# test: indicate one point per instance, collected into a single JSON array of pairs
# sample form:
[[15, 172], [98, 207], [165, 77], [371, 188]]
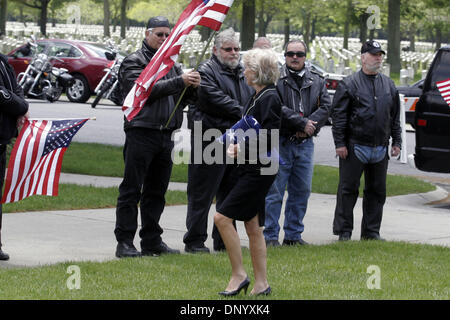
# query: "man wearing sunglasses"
[[148, 146], [221, 97], [306, 109]]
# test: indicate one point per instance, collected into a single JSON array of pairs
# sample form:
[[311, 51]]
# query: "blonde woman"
[[246, 200]]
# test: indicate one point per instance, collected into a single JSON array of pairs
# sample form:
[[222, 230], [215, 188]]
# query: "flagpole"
[[184, 90]]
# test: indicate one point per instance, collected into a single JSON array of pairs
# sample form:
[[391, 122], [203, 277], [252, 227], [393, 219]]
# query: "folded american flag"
[[247, 122], [208, 13], [35, 161], [233, 136]]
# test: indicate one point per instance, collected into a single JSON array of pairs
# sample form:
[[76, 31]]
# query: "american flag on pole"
[[35, 161], [444, 89], [208, 13]]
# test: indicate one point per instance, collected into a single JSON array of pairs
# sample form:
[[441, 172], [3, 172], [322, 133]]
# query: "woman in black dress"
[[246, 200]]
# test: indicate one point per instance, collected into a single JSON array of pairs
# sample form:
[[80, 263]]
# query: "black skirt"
[[248, 196]]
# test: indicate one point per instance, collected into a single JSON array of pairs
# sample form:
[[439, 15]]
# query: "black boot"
[[3, 255]]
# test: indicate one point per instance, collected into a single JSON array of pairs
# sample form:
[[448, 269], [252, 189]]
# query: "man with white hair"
[[365, 115], [221, 97]]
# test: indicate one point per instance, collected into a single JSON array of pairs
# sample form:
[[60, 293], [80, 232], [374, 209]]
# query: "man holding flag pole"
[[154, 85]]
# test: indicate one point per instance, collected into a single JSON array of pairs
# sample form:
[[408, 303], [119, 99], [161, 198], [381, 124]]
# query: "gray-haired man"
[[221, 97]]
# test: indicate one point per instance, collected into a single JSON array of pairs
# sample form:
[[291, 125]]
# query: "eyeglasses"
[[230, 49], [161, 34], [291, 54]]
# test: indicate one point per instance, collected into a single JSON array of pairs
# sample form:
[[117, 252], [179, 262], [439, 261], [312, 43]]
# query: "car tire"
[[79, 92]]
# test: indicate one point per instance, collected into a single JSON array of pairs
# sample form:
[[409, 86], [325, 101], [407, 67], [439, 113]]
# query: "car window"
[[23, 52], [63, 50], [99, 49], [441, 67]]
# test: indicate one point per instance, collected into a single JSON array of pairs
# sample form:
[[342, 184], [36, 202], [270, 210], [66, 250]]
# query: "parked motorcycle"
[[109, 87], [41, 79]]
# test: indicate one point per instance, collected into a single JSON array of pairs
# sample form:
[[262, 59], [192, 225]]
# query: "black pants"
[[2, 178], [148, 165], [204, 182], [350, 171]]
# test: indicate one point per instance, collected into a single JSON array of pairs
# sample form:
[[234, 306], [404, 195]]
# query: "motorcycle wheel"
[[100, 95], [52, 94]]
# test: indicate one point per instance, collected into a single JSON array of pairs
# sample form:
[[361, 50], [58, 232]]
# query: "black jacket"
[[164, 94], [265, 107], [313, 95], [366, 111], [222, 94], [12, 101]]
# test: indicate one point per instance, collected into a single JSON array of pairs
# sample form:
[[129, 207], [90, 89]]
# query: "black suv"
[[432, 121]]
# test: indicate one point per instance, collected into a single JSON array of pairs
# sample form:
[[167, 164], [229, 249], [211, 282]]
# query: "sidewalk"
[[40, 238]]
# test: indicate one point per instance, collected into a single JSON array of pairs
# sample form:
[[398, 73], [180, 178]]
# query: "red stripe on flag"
[[58, 171], [47, 175], [34, 154], [12, 158], [210, 23], [219, 8]]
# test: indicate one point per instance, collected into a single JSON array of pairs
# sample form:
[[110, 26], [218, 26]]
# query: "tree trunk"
[[261, 32], [363, 27], [287, 30], [438, 36], [3, 8], [43, 17], [106, 19], [348, 17], [248, 24], [205, 33], [412, 37], [123, 18], [307, 27], [313, 28], [394, 35]]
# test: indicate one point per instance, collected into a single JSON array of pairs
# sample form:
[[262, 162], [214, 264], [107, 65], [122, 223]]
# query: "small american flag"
[[35, 161], [444, 89], [208, 13]]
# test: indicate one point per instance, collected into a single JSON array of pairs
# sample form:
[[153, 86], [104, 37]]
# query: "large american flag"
[[444, 89], [208, 13], [35, 161]]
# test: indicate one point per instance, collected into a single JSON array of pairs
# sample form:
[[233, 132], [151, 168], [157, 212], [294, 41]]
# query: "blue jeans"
[[296, 174]]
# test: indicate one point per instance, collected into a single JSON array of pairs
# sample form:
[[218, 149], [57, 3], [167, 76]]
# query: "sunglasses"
[[161, 34], [291, 54], [230, 49]]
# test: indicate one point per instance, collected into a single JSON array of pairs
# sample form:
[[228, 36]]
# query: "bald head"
[[262, 43]]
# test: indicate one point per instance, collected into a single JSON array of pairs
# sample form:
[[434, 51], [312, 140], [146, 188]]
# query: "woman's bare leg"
[[258, 253], [232, 243]]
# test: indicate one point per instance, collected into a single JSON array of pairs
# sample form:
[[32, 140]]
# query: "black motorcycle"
[[41, 79], [109, 87]]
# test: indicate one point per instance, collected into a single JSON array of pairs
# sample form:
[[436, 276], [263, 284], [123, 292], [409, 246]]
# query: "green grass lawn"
[[334, 271], [73, 197], [104, 160]]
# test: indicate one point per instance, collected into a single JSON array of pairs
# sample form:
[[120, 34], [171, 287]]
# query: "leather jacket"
[[312, 95], [366, 110], [12, 101], [164, 94], [222, 94]]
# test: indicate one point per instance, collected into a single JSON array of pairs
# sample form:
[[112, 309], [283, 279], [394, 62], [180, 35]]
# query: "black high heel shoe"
[[265, 292], [244, 285]]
